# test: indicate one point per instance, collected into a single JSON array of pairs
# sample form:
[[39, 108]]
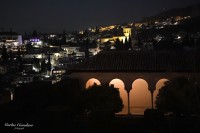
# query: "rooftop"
[[141, 61]]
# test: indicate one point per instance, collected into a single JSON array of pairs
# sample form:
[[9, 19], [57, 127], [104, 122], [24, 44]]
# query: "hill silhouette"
[[192, 11]]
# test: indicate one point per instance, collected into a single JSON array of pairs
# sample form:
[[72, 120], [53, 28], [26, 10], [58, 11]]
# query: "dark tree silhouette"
[[86, 45], [126, 44], [10, 54], [102, 100], [19, 60], [67, 93], [130, 42], [94, 43], [97, 30], [180, 95], [118, 44], [43, 66], [34, 33], [4, 54], [86, 33], [49, 63], [33, 96], [140, 44], [63, 39], [29, 46]]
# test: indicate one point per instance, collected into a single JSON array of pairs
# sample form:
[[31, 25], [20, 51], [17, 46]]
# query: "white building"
[[10, 39]]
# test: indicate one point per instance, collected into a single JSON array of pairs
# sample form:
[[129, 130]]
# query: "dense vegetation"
[[180, 95]]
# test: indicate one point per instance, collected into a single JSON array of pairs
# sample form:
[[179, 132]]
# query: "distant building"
[[36, 42], [122, 35], [25, 79], [78, 51], [58, 72], [10, 39]]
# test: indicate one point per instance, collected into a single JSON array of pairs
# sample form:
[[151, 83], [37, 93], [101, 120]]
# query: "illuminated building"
[[101, 29], [78, 51], [138, 75], [36, 42], [10, 39], [126, 33], [58, 72]]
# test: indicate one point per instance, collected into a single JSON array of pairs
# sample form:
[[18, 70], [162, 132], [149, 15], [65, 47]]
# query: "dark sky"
[[59, 15]]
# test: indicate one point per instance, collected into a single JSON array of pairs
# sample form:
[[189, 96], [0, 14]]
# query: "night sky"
[[58, 15]]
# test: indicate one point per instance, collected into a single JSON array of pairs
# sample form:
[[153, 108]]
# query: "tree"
[[63, 39], [4, 54], [140, 44], [19, 60], [126, 44], [49, 63], [117, 44], [87, 52], [34, 33], [86, 33], [67, 93], [102, 100], [10, 56], [180, 95], [29, 46], [94, 43], [130, 42], [43, 66], [34, 96]]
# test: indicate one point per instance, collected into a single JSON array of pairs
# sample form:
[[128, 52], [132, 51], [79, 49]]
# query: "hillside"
[[193, 11]]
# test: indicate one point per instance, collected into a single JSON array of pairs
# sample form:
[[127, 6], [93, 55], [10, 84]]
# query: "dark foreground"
[[61, 122]]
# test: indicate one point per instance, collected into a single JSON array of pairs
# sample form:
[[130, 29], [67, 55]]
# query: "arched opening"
[[123, 94], [140, 97], [91, 82], [159, 85]]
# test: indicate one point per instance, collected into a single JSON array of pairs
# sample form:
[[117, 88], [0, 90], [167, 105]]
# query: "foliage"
[[29, 46], [102, 99], [41, 96], [33, 96], [118, 44], [49, 64], [43, 66], [4, 54], [180, 95], [63, 38], [67, 92]]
